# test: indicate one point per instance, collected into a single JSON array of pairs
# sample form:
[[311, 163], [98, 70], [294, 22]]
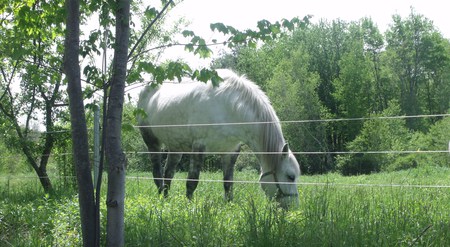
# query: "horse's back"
[[186, 105], [174, 103]]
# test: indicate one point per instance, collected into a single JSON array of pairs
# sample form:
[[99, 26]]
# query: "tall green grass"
[[335, 211]]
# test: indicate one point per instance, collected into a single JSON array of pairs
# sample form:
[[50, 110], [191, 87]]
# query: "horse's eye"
[[291, 177]]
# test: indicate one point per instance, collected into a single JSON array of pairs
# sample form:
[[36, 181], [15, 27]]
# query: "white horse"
[[198, 118]]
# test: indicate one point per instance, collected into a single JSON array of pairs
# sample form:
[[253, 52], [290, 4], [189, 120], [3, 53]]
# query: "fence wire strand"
[[289, 121], [300, 153], [263, 153], [418, 186]]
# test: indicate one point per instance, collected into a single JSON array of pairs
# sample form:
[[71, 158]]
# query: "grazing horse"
[[198, 118]]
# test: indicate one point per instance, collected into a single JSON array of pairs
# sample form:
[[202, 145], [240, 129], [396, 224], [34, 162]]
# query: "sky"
[[244, 14]]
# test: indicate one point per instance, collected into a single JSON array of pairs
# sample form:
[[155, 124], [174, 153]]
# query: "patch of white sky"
[[244, 14]]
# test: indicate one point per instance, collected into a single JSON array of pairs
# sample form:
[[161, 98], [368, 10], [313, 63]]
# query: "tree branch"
[[180, 44], [30, 112], [149, 27], [8, 80]]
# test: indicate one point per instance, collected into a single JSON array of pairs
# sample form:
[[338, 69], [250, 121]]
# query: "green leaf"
[[288, 24], [187, 33], [189, 47], [147, 67], [219, 27], [91, 106], [215, 80], [127, 127], [139, 112], [151, 13]]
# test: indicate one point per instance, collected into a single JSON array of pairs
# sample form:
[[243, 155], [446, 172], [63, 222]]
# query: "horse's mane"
[[253, 103]]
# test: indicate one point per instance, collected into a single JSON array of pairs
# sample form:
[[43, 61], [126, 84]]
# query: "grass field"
[[334, 211]]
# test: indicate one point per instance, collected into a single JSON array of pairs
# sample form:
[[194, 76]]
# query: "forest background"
[[320, 71]]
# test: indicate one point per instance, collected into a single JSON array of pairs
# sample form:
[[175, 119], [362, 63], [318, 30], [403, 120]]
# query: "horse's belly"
[[213, 139]]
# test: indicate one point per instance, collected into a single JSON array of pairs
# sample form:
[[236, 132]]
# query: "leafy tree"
[[326, 43], [30, 61], [373, 47], [416, 51], [257, 64], [437, 69], [292, 91], [354, 89]]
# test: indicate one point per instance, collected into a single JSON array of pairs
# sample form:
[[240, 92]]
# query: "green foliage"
[[31, 78], [354, 89], [27, 217], [197, 45], [436, 139], [292, 92], [376, 135], [132, 141], [247, 162], [417, 51], [341, 70], [266, 32], [392, 134], [62, 158], [11, 162], [66, 222]]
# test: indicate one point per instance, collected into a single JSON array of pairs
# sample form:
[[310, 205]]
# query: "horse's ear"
[[285, 151]]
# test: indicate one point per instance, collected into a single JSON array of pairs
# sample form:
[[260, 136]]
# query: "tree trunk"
[[45, 181], [78, 123], [115, 156]]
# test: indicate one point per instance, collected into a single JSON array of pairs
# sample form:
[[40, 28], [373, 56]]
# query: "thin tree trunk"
[[78, 123], [115, 156]]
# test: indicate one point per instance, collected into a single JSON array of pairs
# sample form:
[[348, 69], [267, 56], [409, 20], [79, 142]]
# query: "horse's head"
[[280, 182]]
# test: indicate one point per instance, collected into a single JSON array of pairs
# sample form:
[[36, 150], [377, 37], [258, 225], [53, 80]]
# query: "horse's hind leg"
[[171, 163], [194, 169], [228, 162], [153, 147]]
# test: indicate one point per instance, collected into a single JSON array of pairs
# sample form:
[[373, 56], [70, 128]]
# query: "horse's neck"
[[265, 136], [268, 141]]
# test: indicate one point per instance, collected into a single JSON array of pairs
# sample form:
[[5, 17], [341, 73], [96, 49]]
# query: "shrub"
[[376, 135], [436, 139]]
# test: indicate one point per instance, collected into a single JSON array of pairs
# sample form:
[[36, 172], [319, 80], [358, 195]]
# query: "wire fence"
[[281, 122], [269, 153], [328, 183], [272, 122]]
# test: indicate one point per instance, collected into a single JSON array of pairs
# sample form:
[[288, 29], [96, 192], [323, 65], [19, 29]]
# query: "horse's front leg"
[[194, 169], [228, 162], [171, 163]]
